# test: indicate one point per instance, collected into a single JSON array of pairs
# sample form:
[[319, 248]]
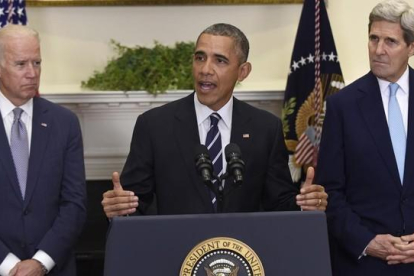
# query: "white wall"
[[75, 40]]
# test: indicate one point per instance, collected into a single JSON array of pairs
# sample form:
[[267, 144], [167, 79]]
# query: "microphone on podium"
[[204, 165], [235, 165]]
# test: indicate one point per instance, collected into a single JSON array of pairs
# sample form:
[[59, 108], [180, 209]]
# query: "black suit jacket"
[[161, 162], [358, 169], [53, 212]]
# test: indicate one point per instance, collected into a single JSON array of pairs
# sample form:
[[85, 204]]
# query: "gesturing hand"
[[312, 196], [118, 202]]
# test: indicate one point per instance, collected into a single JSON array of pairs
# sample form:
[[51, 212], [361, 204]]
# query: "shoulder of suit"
[[52, 107], [353, 89], [252, 110], [170, 108]]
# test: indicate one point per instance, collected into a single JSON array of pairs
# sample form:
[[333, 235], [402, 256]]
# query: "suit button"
[[26, 212], [22, 245]]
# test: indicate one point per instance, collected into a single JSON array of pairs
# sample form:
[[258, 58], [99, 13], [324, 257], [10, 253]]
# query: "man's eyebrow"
[[199, 53], [221, 56]]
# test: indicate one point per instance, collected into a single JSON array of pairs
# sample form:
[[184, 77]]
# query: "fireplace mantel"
[[107, 120]]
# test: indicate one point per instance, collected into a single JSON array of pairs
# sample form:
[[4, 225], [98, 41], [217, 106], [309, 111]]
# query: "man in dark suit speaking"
[[367, 154], [42, 175], [161, 162]]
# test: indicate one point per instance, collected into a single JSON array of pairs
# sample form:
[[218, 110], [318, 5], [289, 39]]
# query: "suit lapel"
[[372, 110], [239, 121], [409, 156], [6, 160], [239, 132], [41, 126], [187, 137]]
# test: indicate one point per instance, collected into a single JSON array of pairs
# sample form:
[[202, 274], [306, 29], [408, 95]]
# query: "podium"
[[266, 243]]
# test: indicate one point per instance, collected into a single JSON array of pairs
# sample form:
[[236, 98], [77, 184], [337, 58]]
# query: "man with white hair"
[[42, 175], [367, 154]]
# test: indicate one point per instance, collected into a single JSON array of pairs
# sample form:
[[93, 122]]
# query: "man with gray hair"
[[42, 175], [161, 163], [367, 154]]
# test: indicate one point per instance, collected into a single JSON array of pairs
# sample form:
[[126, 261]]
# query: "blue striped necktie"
[[397, 130], [19, 146], [213, 143]]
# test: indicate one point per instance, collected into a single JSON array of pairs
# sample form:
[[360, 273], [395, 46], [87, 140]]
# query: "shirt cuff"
[[363, 254], [8, 264], [45, 259]]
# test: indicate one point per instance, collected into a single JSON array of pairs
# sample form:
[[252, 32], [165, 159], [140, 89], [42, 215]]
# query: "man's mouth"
[[204, 85], [379, 62], [29, 86]]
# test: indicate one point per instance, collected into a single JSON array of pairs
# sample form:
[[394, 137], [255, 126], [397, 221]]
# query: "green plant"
[[154, 69]]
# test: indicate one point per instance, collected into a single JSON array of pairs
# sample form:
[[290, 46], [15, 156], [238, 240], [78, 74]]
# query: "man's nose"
[[31, 71], [380, 50], [207, 67]]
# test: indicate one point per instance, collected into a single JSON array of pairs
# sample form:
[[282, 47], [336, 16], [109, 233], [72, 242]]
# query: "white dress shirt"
[[203, 113], [6, 108], [402, 96]]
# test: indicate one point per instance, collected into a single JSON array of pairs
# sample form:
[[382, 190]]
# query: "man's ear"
[[244, 71], [411, 50]]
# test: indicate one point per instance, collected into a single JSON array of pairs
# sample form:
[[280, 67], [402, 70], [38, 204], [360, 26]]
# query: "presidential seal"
[[222, 256]]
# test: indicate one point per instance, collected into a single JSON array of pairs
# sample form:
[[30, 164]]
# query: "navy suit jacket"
[[161, 162], [358, 169], [53, 212]]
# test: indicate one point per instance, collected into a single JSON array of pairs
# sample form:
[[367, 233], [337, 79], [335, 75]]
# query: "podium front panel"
[[286, 243]]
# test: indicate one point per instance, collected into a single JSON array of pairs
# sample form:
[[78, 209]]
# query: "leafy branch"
[[154, 69]]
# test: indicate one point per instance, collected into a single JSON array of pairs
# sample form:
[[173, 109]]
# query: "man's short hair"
[[395, 11], [240, 40]]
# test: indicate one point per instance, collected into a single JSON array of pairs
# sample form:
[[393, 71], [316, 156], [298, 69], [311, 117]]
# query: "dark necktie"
[[397, 130], [213, 143], [20, 149]]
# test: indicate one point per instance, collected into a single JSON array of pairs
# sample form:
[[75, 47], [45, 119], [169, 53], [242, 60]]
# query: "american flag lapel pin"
[[246, 136], [43, 124]]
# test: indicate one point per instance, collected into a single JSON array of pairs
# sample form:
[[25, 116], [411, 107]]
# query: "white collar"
[[6, 106], [203, 112], [403, 82]]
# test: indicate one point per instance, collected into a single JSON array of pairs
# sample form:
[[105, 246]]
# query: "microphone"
[[204, 165], [235, 165]]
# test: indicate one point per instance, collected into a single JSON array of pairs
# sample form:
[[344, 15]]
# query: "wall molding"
[[107, 120]]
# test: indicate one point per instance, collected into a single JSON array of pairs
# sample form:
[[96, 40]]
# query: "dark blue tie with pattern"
[[213, 143]]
